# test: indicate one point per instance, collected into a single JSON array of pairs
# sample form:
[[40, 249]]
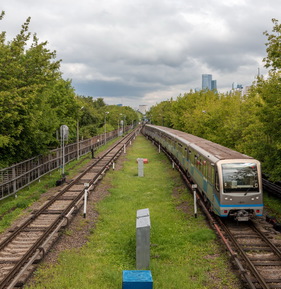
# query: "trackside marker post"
[[140, 167], [142, 240], [194, 187], [86, 185]]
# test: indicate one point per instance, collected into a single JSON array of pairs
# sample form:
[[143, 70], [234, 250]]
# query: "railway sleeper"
[[267, 263]]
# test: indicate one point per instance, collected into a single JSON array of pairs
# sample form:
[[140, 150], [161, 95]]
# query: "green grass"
[[273, 206], [12, 207], [184, 250]]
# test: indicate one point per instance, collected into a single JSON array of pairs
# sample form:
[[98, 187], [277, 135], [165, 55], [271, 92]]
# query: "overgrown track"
[[253, 246], [271, 188], [27, 244]]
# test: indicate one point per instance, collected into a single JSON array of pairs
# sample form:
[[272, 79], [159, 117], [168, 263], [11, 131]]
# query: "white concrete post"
[[86, 185], [143, 239], [194, 187], [140, 168]]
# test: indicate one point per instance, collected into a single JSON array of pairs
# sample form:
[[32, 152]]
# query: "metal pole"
[[120, 122], [77, 132], [105, 128], [194, 187], [63, 160], [77, 135], [118, 127], [86, 185]]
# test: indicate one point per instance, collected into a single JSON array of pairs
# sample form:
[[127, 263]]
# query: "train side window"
[[186, 153], [217, 181], [213, 173], [205, 168], [195, 160], [209, 168]]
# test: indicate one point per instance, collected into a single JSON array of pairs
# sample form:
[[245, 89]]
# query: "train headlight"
[[230, 199], [226, 198], [252, 199], [257, 198]]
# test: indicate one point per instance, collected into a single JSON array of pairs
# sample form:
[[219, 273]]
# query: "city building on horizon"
[[208, 82], [143, 109], [237, 86]]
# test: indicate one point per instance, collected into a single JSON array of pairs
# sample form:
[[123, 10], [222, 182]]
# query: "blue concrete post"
[[137, 279]]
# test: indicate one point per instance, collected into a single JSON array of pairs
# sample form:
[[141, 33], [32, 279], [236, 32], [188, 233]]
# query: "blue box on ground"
[[137, 279]]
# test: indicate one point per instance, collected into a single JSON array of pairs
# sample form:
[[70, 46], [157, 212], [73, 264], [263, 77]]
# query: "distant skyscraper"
[[208, 83], [214, 85]]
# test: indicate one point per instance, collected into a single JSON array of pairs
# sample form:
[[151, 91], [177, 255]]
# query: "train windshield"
[[240, 177]]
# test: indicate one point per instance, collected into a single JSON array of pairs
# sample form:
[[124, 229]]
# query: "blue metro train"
[[230, 182]]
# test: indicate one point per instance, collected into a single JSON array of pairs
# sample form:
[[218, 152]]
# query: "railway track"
[[254, 247], [28, 243], [271, 188], [258, 251]]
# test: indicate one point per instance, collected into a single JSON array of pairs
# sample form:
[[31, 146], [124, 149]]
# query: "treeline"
[[249, 123], [35, 101]]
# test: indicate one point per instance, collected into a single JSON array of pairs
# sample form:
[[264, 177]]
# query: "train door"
[[216, 192], [205, 174]]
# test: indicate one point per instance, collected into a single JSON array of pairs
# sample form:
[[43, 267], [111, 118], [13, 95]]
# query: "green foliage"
[[208, 114], [273, 49], [31, 91], [247, 123], [35, 101], [161, 113], [94, 113]]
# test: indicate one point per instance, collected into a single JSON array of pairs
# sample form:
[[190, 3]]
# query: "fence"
[[18, 176]]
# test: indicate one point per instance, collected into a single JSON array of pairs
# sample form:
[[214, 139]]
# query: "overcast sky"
[[141, 52]]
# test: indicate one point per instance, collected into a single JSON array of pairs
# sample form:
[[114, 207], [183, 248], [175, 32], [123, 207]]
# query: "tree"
[[161, 114], [34, 99], [273, 49]]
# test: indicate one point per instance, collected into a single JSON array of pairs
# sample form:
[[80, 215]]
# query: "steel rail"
[[266, 240], [66, 188], [271, 188], [28, 257], [262, 282]]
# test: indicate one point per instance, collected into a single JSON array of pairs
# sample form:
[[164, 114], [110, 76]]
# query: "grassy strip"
[[184, 251], [12, 207], [272, 205]]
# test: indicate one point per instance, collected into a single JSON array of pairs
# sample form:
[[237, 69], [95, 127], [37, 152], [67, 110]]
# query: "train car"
[[230, 182]]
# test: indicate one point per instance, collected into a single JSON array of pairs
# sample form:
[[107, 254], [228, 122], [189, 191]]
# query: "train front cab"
[[240, 189]]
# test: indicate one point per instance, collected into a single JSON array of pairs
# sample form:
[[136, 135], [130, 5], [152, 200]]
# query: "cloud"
[[149, 50]]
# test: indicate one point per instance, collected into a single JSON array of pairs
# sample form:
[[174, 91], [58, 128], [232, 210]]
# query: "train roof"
[[216, 150]]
